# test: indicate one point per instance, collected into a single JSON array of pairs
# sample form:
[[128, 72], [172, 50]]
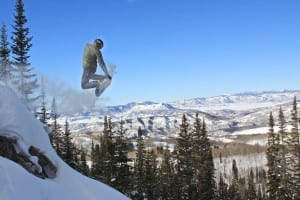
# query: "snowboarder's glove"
[[109, 77]]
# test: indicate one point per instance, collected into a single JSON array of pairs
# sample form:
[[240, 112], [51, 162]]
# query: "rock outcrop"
[[43, 168]]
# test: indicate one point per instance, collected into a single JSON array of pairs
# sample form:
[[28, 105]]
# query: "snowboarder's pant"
[[89, 74]]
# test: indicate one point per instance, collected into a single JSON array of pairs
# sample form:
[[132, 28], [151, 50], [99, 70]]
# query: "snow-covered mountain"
[[30, 168], [224, 114]]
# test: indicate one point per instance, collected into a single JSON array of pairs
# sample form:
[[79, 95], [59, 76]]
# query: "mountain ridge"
[[223, 114]]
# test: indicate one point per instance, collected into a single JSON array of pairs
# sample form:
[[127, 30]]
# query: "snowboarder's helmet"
[[99, 41]]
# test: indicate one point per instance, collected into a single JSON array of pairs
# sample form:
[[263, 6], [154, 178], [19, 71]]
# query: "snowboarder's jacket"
[[90, 57]]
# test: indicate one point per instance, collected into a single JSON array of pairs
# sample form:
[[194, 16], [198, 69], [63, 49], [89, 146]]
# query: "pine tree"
[[76, 158], [6, 69], [251, 187], [56, 137], [177, 186], [139, 168], [107, 151], [260, 194], [21, 43], [234, 190], [285, 186], [67, 146], [183, 151], [166, 174], [282, 127], [293, 148], [56, 133], [203, 162], [123, 175], [222, 190], [198, 158], [96, 171], [84, 168], [151, 183], [294, 120], [99, 156], [272, 158], [93, 159]]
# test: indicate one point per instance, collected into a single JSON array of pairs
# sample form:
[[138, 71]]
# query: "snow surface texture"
[[17, 183]]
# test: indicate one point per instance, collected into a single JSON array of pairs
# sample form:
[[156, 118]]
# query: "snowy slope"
[[17, 183]]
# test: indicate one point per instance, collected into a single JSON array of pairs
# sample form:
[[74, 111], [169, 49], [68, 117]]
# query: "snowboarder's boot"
[[102, 85], [97, 92], [100, 88]]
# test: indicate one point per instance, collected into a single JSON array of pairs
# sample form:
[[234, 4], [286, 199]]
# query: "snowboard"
[[102, 86]]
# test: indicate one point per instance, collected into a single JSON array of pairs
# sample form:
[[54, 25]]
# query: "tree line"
[[186, 172], [283, 155], [15, 67]]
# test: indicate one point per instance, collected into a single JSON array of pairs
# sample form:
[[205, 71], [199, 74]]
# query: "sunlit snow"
[[17, 183]]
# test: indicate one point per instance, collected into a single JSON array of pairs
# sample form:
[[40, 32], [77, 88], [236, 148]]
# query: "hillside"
[[30, 168]]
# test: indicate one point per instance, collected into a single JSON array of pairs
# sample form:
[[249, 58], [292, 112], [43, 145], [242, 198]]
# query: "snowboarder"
[[89, 79]]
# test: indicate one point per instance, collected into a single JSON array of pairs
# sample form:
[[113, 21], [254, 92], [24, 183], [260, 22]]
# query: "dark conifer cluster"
[[283, 155]]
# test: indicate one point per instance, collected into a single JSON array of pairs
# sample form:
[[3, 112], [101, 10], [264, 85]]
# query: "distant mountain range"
[[224, 114]]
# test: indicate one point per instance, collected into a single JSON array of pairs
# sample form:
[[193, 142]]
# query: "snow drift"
[[16, 182]]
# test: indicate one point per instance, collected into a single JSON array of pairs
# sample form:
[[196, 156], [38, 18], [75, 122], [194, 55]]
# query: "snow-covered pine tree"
[[107, 148], [56, 136], [222, 192], [95, 171], [67, 146], [285, 184], [122, 173], [198, 154], [234, 188], [166, 174], [272, 160], [184, 169], [93, 160], [261, 195], [282, 126], [56, 131], [251, 192], [151, 178], [293, 147], [294, 120], [6, 69], [26, 80], [84, 168], [203, 162]]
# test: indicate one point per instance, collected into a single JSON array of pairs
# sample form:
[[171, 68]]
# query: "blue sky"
[[168, 50]]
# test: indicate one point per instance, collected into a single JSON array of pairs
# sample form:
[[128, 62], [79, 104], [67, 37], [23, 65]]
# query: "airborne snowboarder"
[[89, 79]]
